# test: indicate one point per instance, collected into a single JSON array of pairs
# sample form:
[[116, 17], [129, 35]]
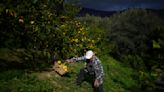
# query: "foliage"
[[135, 61], [96, 27], [132, 33], [41, 25], [136, 37], [76, 39]]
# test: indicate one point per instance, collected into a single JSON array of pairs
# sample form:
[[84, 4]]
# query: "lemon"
[[65, 70], [76, 40], [32, 22], [59, 62], [21, 20], [65, 67]]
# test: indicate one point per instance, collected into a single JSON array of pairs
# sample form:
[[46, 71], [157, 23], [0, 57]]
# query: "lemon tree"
[[41, 26], [76, 39]]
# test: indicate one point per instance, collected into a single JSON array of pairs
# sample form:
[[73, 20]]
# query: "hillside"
[[118, 78]]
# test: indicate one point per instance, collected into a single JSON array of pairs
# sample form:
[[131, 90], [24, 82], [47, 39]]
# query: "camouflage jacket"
[[97, 67]]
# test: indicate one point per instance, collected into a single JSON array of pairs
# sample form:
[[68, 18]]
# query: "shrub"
[[129, 33]]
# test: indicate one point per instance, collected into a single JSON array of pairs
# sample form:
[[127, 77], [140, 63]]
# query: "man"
[[93, 68]]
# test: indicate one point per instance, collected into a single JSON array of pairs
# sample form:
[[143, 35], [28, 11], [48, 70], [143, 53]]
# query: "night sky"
[[111, 5]]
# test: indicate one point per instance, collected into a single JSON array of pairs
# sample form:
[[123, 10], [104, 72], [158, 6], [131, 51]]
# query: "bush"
[[135, 62], [129, 33]]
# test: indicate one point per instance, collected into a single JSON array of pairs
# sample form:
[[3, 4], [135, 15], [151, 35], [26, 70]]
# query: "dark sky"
[[110, 5]]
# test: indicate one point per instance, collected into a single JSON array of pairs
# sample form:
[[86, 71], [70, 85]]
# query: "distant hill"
[[159, 12], [100, 13], [93, 12]]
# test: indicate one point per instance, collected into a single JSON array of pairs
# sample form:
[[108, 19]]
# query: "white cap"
[[89, 54]]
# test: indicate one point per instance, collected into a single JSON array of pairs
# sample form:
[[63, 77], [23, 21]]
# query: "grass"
[[20, 81], [118, 78]]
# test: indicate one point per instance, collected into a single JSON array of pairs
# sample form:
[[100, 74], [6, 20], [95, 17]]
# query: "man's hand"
[[96, 83], [69, 60]]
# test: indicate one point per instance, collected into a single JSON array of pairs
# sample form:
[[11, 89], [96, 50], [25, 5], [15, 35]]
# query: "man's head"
[[89, 55]]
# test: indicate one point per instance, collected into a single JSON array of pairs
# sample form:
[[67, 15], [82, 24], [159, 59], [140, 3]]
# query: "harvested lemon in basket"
[[65, 68], [60, 67]]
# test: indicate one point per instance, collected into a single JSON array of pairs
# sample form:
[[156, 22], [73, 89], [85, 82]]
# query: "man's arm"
[[75, 59]]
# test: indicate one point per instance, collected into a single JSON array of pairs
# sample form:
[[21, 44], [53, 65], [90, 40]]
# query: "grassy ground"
[[118, 78]]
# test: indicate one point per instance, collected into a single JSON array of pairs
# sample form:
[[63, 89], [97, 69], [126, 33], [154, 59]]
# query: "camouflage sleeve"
[[78, 58]]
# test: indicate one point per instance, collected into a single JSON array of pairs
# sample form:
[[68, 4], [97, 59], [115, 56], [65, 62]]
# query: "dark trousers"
[[83, 75]]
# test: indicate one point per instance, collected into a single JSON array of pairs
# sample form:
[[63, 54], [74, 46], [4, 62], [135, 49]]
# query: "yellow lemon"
[[82, 39], [31, 22], [21, 20], [93, 41], [64, 33], [66, 70], [59, 62], [76, 40], [64, 67]]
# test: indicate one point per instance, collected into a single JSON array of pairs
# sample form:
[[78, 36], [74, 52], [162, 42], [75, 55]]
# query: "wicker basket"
[[59, 68]]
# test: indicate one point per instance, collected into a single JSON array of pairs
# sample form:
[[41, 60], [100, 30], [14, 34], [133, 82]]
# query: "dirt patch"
[[46, 75]]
